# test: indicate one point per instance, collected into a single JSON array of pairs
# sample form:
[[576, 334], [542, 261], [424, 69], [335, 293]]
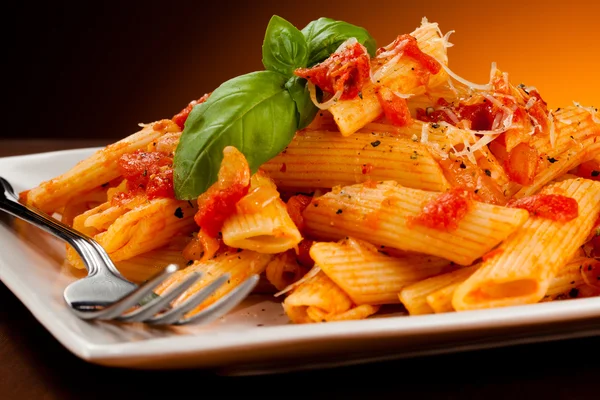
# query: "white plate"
[[256, 337]]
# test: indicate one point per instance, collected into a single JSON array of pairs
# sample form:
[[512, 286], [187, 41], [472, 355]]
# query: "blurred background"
[[94, 71]]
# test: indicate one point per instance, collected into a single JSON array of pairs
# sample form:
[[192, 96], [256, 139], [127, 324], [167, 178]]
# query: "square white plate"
[[256, 337]]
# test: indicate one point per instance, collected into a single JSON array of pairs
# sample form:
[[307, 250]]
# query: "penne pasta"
[[368, 276], [415, 297], [126, 231], [322, 159], [380, 214], [578, 274], [93, 172], [351, 115], [529, 259], [264, 225], [238, 265], [320, 299]]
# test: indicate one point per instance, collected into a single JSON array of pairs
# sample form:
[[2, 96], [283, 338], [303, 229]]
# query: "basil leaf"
[[284, 47], [305, 108], [253, 112], [325, 35]]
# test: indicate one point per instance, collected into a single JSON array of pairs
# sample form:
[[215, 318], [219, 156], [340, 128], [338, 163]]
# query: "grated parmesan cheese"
[[592, 110], [313, 272]]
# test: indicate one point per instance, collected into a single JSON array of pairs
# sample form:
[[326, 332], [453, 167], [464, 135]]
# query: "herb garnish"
[[259, 112]]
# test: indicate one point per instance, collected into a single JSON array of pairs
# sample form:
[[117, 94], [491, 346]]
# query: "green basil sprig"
[[259, 112]]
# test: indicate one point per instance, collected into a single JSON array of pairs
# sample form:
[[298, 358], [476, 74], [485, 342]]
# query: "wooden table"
[[33, 365]]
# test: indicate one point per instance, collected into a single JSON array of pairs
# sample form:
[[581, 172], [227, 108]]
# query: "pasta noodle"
[[411, 187], [368, 276], [529, 259], [379, 214], [321, 159]]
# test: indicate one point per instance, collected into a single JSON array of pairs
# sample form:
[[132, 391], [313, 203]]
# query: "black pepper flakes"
[[339, 211], [462, 165], [179, 213], [435, 125], [552, 160], [573, 293], [190, 262], [376, 143], [595, 173], [360, 95], [488, 172]]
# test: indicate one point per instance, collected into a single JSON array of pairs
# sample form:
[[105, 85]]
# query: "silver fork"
[[105, 294]]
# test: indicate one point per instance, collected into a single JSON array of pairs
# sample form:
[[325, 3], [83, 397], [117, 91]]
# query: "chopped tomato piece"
[[151, 172], [409, 46], [346, 70], [182, 116], [303, 256], [522, 164], [445, 211], [551, 206], [394, 107], [219, 202], [295, 207], [480, 116]]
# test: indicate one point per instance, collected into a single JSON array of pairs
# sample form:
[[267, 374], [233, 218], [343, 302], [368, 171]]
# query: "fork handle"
[[83, 244]]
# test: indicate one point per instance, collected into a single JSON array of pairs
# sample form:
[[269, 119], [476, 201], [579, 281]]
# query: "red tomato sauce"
[[219, 206], [410, 48], [182, 116], [394, 107], [481, 115], [445, 211], [303, 256], [347, 70], [555, 207], [151, 172], [295, 207]]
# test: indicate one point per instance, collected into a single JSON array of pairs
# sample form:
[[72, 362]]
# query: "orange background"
[[100, 71]]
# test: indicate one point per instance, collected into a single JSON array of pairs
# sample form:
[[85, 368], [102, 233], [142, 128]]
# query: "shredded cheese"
[[313, 272], [530, 102], [593, 112], [465, 82], [326, 105]]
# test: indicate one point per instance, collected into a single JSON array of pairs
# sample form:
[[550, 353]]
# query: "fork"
[[104, 294]]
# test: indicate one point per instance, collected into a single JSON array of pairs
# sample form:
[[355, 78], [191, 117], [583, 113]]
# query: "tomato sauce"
[[295, 207], [347, 71], [303, 256], [555, 207], [409, 46], [481, 115], [219, 206], [182, 116], [394, 107], [149, 172], [445, 211]]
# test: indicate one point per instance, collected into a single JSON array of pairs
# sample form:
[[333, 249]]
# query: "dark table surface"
[[33, 365]]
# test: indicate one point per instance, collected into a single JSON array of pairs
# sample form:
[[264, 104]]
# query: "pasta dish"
[[351, 176]]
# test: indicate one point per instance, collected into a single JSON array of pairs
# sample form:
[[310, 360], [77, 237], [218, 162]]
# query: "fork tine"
[[130, 299], [176, 313], [225, 304], [157, 305]]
